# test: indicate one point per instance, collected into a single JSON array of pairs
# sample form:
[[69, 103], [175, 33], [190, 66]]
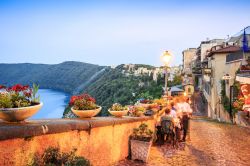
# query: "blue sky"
[[113, 32]]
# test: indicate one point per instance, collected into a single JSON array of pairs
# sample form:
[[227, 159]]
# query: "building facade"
[[187, 57], [222, 61]]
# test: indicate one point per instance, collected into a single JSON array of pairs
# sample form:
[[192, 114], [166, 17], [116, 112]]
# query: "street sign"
[[225, 77], [207, 71]]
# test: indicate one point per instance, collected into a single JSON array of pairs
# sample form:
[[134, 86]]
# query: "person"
[[186, 114], [167, 115], [178, 119], [178, 107], [159, 134], [173, 110], [167, 124]]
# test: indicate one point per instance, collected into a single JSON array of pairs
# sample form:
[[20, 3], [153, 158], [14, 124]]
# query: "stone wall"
[[103, 141]]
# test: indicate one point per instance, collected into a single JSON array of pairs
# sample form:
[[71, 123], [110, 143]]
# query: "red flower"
[[17, 88], [88, 97], [26, 87], [72, 100], [81, 97], [2, 87]]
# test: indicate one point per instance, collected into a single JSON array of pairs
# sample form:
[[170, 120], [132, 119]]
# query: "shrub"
[[142, 133], [53, 157]]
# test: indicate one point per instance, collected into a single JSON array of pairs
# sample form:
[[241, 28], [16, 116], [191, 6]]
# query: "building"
[[205, 47], [188, 56], [173, 71], [201, 53], [221, 61]]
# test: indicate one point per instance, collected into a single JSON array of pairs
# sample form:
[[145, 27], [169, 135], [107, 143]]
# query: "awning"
[[175, 89], [243, 78]]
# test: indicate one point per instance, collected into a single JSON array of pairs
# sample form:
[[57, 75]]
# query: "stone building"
[[201, 53], [188, 56]]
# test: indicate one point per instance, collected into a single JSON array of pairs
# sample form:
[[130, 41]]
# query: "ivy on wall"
[[224, 99]]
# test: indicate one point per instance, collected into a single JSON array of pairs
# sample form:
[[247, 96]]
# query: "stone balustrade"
[[102, 140]]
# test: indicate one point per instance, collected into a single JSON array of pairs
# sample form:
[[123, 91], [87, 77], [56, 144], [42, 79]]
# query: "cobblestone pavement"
[[210, 144]]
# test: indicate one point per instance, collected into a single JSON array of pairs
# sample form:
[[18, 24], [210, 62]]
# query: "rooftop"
[[228, 49]]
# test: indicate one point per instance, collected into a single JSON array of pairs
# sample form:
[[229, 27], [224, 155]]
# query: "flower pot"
[[140, 114], [145, 105], [19, 114], [140, 150], [86, 113], [118, 113]]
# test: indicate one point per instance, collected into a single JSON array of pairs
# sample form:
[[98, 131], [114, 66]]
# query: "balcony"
[[196, 71]]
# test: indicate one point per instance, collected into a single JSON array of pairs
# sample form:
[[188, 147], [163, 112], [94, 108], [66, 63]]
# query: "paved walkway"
[[211, 144]]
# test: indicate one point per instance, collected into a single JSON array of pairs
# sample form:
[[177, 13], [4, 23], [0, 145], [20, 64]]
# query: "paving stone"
[[211, 144]]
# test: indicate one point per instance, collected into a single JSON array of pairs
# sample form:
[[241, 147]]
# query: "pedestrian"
[[159, 134], [178, 107], [167, 124], [178, 120], [186, 114], [173, 109]]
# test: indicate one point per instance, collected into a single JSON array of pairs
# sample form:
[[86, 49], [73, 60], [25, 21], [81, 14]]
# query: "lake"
[[54, 103]]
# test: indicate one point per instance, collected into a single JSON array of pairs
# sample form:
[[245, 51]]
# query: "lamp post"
[[165, 58]]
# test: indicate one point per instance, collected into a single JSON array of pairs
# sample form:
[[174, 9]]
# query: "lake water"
[[54, 103]]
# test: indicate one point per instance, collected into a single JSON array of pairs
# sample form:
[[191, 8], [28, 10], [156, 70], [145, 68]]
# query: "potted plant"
[[141, 141], [18, 102], [84, 106], [118, 110], [161, 102], [136, 111], [145, 99], [145, 103]]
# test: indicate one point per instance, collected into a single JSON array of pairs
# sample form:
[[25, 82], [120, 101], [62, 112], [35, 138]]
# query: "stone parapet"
[[102, 140]]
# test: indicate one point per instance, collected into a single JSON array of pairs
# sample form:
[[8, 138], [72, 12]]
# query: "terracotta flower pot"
[[86, 113], [140, 150], [118, 113], [19, 114], [145, 105]]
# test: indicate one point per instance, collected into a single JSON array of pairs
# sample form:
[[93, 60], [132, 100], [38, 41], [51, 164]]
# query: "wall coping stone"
[[31, 128]]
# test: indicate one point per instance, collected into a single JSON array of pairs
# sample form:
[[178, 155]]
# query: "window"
[[234, 57]]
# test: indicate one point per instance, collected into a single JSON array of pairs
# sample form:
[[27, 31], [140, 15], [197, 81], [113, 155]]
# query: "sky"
[[112, 32]]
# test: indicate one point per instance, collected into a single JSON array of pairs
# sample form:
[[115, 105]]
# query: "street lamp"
[[165, 58]]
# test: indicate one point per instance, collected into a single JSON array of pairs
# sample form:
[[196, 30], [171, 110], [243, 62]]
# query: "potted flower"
[[136, 111], [84, 106], [141, 141], [161, 102], [118, 110], [145, 103], [18, 102]]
